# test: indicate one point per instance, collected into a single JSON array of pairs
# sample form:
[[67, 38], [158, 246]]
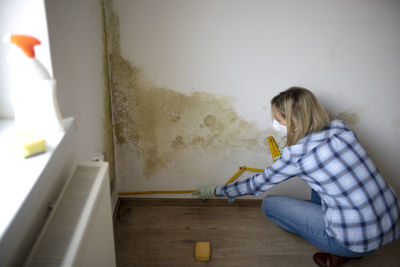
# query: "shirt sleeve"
[[284, 168]]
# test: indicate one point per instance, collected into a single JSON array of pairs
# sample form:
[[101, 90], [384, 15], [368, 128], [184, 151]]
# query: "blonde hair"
[[302, 111]]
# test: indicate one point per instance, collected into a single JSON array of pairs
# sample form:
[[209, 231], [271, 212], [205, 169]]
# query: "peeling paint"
[[160, 124]]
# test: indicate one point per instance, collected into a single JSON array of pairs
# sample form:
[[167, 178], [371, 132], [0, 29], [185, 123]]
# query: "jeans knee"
[[268, 204]]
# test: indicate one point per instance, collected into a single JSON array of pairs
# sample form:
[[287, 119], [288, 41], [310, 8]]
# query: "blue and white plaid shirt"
[[360, 209]]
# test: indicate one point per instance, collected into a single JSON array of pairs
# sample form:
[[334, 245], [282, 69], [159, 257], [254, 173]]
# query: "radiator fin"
[[54, 243]]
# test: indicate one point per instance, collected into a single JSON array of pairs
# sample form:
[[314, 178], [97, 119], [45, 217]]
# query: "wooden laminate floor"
[[163, 232]]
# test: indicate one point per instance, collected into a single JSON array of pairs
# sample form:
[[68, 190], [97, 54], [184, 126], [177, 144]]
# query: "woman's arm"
[[283, 169]]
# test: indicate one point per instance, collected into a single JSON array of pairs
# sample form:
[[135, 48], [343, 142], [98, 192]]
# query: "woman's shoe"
[[328, 260]]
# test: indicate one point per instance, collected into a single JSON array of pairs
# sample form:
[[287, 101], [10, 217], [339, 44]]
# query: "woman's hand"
[[205, 192]]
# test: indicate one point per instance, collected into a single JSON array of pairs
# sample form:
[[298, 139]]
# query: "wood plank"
[[189, 202], [163, 233]]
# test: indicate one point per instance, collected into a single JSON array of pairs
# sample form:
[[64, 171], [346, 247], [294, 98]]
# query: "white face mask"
[[279, 128]]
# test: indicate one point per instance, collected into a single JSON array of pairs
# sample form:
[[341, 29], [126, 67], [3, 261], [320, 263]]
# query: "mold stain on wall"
[[160, 124], [108, 135], [349, 116]]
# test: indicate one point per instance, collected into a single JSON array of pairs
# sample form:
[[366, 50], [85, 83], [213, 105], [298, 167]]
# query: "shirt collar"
[[334, 127]]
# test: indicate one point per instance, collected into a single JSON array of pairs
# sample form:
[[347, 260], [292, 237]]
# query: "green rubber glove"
[[205, 192]]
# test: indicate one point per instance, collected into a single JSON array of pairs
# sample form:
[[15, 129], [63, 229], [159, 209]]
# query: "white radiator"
[[79, 230]]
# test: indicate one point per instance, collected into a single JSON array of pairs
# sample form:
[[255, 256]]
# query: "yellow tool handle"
[[241, 169], [274, 152], [157, 192], [254, 169], [274, 148]]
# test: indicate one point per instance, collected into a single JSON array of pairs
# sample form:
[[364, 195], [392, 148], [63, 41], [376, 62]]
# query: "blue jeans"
[[304, 218]]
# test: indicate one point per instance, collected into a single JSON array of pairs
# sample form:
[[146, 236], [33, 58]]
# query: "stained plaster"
[[164, 127], [108, 135]]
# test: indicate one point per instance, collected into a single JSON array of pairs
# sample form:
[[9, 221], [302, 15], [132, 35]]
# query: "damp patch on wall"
[[108, 140], [349, 116], [159, 124]]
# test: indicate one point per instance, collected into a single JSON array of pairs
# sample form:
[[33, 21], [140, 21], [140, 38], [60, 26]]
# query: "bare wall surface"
[[191, 82], [79, 56]]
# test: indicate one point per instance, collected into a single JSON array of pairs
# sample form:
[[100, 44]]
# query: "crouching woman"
[[352, 211]]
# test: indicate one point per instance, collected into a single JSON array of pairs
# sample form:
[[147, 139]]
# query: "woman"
[[352, 211]]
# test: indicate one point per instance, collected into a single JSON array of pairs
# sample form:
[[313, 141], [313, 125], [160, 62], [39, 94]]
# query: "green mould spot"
[[198, 141], [178, 143], [233, 116], [210, 120], [175, 116]]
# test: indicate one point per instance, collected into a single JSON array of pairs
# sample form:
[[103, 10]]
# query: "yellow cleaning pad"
[[202, 251], [28, 143]]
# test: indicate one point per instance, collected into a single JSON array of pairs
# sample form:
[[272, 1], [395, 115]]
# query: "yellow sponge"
[[28, 143], [202, 251]]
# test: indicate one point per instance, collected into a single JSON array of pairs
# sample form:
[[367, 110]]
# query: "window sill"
[[19, 176]]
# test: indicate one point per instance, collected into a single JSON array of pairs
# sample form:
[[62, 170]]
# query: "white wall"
[[75, 32], [346, 52]]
